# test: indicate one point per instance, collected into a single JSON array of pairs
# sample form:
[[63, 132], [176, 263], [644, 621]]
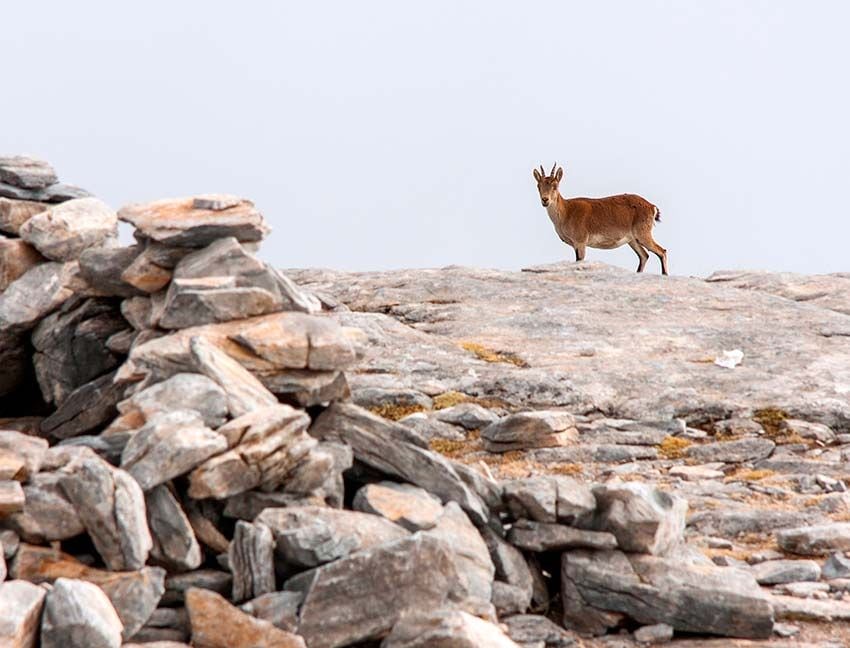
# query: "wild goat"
[[603, 223]]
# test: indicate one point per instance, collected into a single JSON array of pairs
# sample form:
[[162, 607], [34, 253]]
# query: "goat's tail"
[[657, 214]]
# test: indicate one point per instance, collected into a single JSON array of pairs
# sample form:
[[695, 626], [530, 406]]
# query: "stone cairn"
[[180, 460]]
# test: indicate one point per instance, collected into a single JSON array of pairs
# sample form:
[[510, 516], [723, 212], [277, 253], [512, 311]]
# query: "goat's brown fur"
[[603, 223]]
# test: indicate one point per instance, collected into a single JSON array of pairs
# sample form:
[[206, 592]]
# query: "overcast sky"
[[399, 134]]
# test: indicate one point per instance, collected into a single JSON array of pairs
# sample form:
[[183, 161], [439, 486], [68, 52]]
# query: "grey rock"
[[445, 627], [817, 431], [30, 449], [408, 506], [21, 603], [815, 540], [87, 408], [62, 232], [804, 589], [278, 608], [545, 536], [550, 498], [774, 572], [526, 430], [174, 541], [181, 222], [134, 595], [169, 445], [10, 542], [186, 391], [731, 522], [509, 599], [650, 590], [738, 426], [16, 257], [27, 172], [78, 614], [306, 387], [48, 515], [14, 213], [12, 497], [510, 565], [176, 585], [363, 595], [36, 294], [376, 397], [308, 536], [792, 608], [251, 559], [102, 268], [55, 193], [195, 302], [468, 415], [739, 451], [642, 518], [537, 630], [375, 443], [654, 634], [836, 566], [428, 427], [145, 275], [111, 507]]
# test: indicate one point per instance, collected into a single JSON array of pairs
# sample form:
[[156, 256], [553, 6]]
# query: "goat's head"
[[547, 185]]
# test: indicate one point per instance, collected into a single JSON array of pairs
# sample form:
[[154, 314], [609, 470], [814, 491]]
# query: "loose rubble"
[[197, 447]]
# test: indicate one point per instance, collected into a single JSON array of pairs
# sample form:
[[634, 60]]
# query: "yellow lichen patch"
[[394, 412], [457, 448], [492, 355], [450, 399], [749, 475], [673, 447], [770, 418], [566, 469], [737, 554]]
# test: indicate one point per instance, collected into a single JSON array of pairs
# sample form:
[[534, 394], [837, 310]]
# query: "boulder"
[[815, 540], [470, 416], [26, 172], [16, 257], [78, 614], [48, 514], [14, 213], [144, 274], [21, 603], [174, 542], [408, 506], [739, 451], [776, 572], [251, 560], [446, 627], [545, 536], [36, 294], [278, 608], [526, 430], [62, 232], [549, 498], [102, 267], [537, 630], [11, 497], [86, 408], [206, 300], [186, 391], [30, 449]]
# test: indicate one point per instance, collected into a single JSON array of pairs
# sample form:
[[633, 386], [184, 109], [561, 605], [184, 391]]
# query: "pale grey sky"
[[398, 134]]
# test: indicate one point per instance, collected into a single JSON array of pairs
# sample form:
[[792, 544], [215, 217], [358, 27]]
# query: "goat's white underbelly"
[[606, 242]]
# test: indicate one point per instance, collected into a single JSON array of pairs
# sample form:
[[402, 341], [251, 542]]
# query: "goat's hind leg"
[[580, 250], [642, 254], [646, 240]]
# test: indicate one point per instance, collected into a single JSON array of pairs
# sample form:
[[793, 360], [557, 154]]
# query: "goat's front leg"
[[580, 249]]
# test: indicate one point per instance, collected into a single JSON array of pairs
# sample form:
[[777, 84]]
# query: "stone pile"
[[182, 459]]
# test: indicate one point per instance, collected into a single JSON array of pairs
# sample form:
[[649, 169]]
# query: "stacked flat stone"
[[180, 459]]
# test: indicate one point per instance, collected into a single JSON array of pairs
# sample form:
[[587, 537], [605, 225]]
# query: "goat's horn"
[[552, 173], [542, 170]]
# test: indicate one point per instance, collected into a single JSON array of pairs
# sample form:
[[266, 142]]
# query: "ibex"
[[603, 223]]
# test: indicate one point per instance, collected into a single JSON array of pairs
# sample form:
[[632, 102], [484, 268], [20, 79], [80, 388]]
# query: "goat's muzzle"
[[545, 202]]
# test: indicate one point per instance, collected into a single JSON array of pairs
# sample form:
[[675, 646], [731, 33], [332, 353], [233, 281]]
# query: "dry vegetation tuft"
[[492, 355], [450, 399], [673, 447], [394, 412], [750, 475]]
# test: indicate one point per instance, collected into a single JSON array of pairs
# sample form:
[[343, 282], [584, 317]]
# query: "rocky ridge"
[[195, 446]]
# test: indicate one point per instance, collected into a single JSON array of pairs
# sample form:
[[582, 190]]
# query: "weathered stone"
[[526, 430], [429, 427], [774, 572], [509, 599], [26, 172], [217, 624], [836, 566], [695, 473], [511, 567], [251, 559], [408, 506], [62, 232], [12, 466], [133, 594], [165, 626], [266, 445], [445, 627], [102, 267], [244, 392], [145, 275], [815, 540], [468, 415], [307, 387], [654, 634], [549, 498], [807, 430], [174, 542], [35, 294], [122, 341], [363, 596], [138, 312], [278, 608], [711, 600], [47, 515], [78, 614], [111, 506], [55, 193], [643, 518], [186, 391], [536, 630], [14, 213], [16, 257], [87, 408], [739, 451], [374, 441], [11, 497], [545, 536], [190, 222], [804, 609], [30, 449], [203, 517], [195, 302], [308, 536], [176, 585], [21, 603], [732, 522]]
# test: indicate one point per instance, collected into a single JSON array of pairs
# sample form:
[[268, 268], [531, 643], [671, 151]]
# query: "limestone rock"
[[375, 443], [195, 302], [168, 446], [174, 542], [643, 519], [445, 627], [111, 506], [408, 506], [35, 294], [308, 536], [650, 590], [16, 257], [774, 572], [251, 559], [363, 596], [815, 540], [196, 221], [26, 172], [77, 614], [62, 232], [217, 624], [14, 213], [102, 268], [21, 603], [545, 536], [47, 514], [752, 449], [526, 430]]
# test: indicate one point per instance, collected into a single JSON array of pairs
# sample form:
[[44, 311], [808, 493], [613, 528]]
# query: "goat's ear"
[[537, 175], [559, 174]]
